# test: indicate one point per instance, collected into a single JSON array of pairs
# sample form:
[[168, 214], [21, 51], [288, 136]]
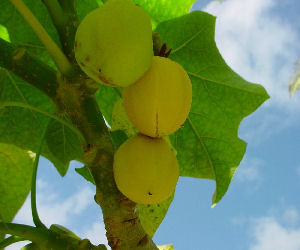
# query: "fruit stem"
[[27, 232], [10, 240], [61, 61], [64, 18], [35, 215]]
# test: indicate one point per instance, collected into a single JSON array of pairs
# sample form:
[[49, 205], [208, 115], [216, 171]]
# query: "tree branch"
[[61, 61], [19, 62], [27, 232], [47, 239], [64, 18], [124, 229]]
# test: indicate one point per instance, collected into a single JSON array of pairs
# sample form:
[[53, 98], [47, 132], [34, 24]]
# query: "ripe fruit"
[[159, 102], [145, 169], [113, 44]]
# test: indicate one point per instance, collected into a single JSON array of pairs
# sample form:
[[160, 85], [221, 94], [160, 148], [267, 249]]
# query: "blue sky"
[[259, 39]]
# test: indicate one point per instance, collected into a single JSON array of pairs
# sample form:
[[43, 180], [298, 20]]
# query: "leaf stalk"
[[61, 61]]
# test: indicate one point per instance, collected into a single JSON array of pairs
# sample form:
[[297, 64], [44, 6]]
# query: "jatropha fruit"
[[145, 166], [159, 102], [145, 169], [113, 43], [113, 46]]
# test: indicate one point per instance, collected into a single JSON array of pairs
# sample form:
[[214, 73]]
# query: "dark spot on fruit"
[[149, 193], [100, 77], [87, 59], [148, 205], [158, 205], [99, 70], [82, 64], [151, 210]]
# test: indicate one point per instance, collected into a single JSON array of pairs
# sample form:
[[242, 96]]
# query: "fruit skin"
[[146, 169], [113, 44], [159, 102]]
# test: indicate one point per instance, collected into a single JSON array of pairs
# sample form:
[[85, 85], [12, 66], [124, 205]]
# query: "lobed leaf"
[[20, 33], [208, 146], [166, 247], [15, 179], [162, 10], [22, 124], [151, 215]]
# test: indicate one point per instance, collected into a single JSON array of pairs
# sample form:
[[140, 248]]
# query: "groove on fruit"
[[156, 124]]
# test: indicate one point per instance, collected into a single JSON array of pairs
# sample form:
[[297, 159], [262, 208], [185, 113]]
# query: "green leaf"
[[21, 33], [151, 215], [120, 120], [208, 146], [23, 124], [86, 174], [118, 137], [295, 85], [15, 179], [63, 142], [166, 247], [106, 98], [63, 230], [84, 7], [161, 10]]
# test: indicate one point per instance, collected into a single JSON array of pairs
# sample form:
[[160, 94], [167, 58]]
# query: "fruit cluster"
[[114, 47]]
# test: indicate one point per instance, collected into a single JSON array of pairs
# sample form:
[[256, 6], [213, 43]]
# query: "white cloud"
[[291, 216], [249, 174], [298, 171], [96, 234], [269, 234], [17, 246], [250, 170], [263, 48], [277, 231], [257, 44], [51, 208]]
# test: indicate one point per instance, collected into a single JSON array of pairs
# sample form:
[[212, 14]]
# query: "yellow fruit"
[[159, 102], [146, 169], [113, 44]]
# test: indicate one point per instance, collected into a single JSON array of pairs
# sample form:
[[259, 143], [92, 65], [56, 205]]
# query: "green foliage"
[[15, 178], [63, 143], [152, 215], [23, 126], [86, 174], [161, 10], [166, 247], [208, 146]]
